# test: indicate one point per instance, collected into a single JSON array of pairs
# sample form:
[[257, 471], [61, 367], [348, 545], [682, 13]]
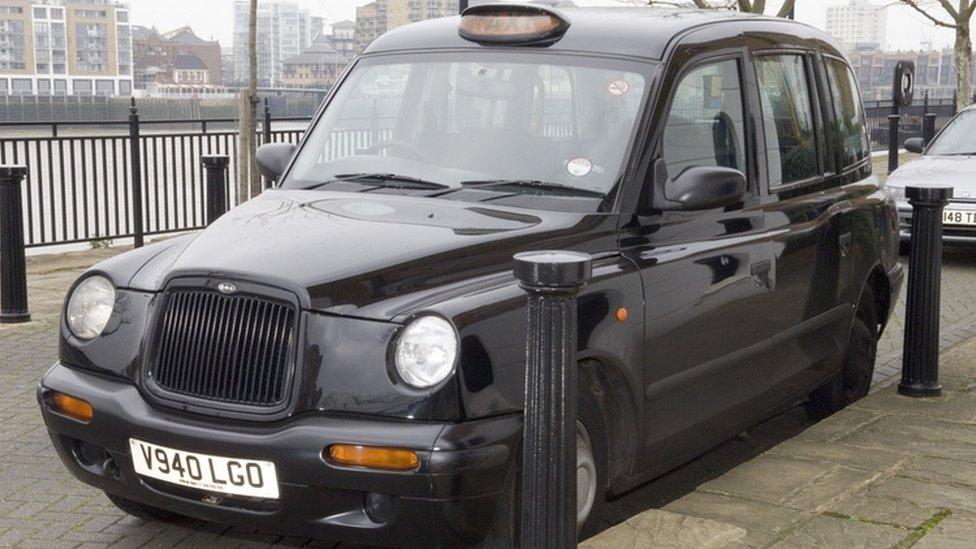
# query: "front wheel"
[[853, 382], [591, 481]]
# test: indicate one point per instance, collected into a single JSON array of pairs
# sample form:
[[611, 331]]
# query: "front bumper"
[[955, 234], [450, 500]]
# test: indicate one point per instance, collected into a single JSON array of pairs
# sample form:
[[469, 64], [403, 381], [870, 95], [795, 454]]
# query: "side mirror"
[[273, 158], [706, 188], [915, 145]]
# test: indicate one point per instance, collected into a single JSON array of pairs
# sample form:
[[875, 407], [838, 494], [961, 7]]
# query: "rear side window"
[[848, 130], [788, 118], [705, 125]]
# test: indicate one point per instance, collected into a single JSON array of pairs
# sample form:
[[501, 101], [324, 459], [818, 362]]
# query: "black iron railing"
[[83, 184]]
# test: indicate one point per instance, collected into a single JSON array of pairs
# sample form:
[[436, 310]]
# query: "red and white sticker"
[[579, 167], [618, 87]]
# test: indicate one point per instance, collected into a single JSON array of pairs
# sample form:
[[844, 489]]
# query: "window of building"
[[105, 87], [848, 130], [125, 87], [60, 87], [43, 86], [3, 86], [122, 16], [22, 86], [40, 13], [788, 118], [11, 9], [82, 87], [57, 14], [706, 126]]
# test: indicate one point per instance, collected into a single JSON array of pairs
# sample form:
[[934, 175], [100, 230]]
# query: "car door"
[[702, 271], [807, 216]]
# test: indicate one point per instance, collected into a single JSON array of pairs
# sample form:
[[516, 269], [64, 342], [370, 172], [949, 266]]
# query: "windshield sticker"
[[618, 87], [579, 167]]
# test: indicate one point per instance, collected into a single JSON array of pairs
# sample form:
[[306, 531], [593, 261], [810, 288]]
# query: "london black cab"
[[342, 357]]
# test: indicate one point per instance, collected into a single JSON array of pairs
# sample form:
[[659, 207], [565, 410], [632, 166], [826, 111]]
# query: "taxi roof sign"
[[519, 24]]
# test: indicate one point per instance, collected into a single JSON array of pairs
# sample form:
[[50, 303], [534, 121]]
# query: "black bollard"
[[920, 362], [216, 167], [13, 264], [552, 279], [928, 127], [135, 168], [893, 144], [266, 124]]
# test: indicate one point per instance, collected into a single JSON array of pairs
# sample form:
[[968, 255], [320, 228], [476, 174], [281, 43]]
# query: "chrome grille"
[[226, 348]]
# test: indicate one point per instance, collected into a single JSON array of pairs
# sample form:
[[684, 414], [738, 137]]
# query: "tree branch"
[[950, 9], [914, 5], [786, 9]]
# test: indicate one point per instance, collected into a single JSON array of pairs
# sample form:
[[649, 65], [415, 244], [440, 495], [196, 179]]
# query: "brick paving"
[[42, 505]]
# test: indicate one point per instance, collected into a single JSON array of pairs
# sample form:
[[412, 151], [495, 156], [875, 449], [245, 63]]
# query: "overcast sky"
[[214, 18]]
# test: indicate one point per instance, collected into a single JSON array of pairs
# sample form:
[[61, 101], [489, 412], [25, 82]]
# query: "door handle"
[[845, 241], [760, 273]]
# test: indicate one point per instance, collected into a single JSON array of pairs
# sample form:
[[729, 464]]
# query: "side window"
[[791, 146], [705, 126], [848, 131]]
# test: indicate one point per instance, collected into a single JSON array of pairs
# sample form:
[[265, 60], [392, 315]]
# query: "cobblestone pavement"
[[889, 471], [42, 505]]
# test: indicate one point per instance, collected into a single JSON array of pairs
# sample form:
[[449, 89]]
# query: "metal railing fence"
[[80, 188]]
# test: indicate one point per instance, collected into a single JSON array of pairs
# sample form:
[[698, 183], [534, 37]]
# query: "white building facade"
[[282, 32], [858, 23]]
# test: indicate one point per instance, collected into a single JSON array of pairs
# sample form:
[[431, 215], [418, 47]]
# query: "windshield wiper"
[[533, 184], [392, 180]]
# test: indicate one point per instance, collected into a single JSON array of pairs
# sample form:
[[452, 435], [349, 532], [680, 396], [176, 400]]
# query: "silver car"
[[950, 159]]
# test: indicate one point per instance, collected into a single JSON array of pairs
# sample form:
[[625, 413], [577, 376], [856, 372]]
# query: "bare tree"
[[942, 13], [248, 179], [748, 6]]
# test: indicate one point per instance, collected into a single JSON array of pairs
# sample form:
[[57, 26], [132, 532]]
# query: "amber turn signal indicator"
[[373, 457], [511, 24], [72, 406], [622, 314]]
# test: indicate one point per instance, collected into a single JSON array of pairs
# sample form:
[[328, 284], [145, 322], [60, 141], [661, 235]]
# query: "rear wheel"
[[145, 512], [853, 382]]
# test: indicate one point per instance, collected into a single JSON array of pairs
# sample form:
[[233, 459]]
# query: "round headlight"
[[425, 351], [90, 307]]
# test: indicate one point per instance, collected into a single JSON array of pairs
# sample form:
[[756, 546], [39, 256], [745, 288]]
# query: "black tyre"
[[591, 471], [591, 480], [853, 382], [145, 512]]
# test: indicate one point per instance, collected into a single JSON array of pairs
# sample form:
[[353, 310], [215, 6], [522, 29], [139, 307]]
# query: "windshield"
[[478, 126], [958, 138]]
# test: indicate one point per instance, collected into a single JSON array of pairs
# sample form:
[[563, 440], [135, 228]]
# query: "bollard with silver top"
[[216, 168], [13, 263], [552, 279], [920, 362]]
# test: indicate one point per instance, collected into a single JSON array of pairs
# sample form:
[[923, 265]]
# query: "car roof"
[[642, 32]]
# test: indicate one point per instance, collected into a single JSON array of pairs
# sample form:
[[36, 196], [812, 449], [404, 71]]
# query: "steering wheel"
[[415, 152]]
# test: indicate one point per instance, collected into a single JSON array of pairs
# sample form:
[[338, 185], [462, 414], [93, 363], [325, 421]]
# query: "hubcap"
[[586, 479]]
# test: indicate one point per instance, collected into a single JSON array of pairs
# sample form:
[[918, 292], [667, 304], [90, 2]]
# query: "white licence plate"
[[959, 217], [243, 477]]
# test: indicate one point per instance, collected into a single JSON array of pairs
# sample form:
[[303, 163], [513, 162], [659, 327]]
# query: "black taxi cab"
[[343, 356]]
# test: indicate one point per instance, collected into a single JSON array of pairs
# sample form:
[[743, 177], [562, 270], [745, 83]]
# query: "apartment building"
[[380, 16], [858, 23], [65, 47], [935, 71], [283, 31]]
